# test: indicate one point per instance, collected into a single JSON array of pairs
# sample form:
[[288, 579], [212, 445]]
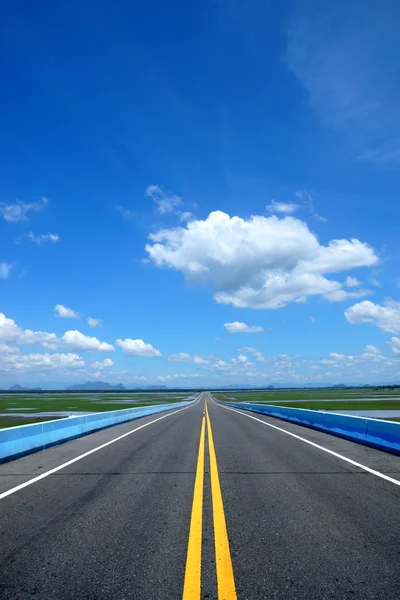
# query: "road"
[[185, 505]]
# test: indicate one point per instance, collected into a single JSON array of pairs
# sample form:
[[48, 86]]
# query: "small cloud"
[[199, 360], [185, 215], [180, 357], [13, 213], [5, 269], [94, 322], [286, 208], [308, 200], [374, 281], [126, 214], [242, 358], [238, 327], [395, 345], [352, 282], [65, 313], [313, 319], [369, 349], [41, 238], [166, 203], [102, 364], [137, 348]]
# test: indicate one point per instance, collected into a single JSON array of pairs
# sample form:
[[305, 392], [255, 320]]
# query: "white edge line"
[[298, 437], [73, 460]]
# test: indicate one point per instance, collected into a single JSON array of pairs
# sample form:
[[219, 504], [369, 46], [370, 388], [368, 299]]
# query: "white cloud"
[[185, 215], [369, 349], [256, 353], [199, 360], [101, 364], [345, 58], [94, 322], [306, 197], [260, 262], [179, 357], [11, 333], [65, 313], [164, 379], [374, 282], [75, 340], [137, 348], [19, 211], [238, 327], [166, 203], [352, 282], [43, 237], [386, 317], [5, 269], [340, 295], [242, 358], [395, 345], [20, 363], [337, 356], [184, 357], [126, 214], [286, 208], [313, 319]]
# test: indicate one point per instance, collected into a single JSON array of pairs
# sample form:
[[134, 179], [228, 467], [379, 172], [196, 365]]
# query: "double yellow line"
[[225, 577]]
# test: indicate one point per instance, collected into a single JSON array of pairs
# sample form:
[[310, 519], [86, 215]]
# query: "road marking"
[[223, 561], [336, 454], [192, 584], [71, 462]]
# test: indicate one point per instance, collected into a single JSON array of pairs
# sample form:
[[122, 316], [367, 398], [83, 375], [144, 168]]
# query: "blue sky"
[[215, 186]]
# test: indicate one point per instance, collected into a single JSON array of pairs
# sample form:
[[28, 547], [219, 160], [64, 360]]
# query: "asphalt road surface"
[[201, 503]]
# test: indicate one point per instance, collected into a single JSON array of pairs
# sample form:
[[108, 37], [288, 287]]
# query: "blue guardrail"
[[384, 435], [25, 439]]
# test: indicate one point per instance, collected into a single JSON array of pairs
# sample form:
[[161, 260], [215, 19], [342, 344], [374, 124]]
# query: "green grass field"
[[35, 403], [335, 400]]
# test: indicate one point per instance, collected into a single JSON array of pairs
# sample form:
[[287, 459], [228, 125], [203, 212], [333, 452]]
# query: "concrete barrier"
[[25, 439], [384, 435]]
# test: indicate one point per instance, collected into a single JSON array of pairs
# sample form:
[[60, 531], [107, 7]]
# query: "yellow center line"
[[192, 584], [225, 577]]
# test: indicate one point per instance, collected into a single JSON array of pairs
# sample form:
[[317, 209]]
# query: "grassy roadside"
[[11, 405]]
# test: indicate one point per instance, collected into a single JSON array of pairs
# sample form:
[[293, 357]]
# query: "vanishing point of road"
[[201, 502]]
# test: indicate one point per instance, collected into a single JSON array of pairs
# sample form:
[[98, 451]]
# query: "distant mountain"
[[157, 387], [244, 386], [19, 388], [96, 385]]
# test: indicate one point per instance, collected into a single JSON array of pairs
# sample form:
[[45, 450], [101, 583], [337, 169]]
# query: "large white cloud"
[[40, 362], [11, 333], [386, 317], [261, 262], [137, 348], [239, 327], [75, 340]]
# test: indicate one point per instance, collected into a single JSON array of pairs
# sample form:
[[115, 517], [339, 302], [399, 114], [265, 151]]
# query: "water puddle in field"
[[22, 409], [61, 413]]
